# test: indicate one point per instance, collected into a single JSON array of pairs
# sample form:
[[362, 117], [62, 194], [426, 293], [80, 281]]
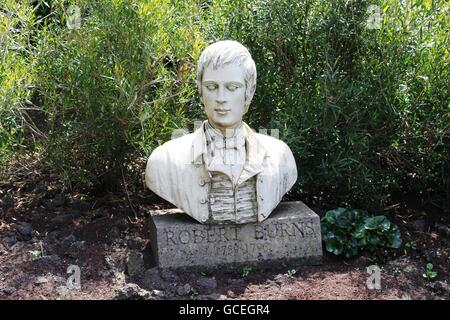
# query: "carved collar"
[[256, 152]]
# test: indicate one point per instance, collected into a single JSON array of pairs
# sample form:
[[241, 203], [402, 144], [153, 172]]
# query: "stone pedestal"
[[290, 234]]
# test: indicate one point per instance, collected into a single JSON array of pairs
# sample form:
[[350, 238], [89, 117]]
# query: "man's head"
[[226, 80]]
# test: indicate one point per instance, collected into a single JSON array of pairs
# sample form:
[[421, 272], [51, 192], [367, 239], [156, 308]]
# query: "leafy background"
[[365, 111]]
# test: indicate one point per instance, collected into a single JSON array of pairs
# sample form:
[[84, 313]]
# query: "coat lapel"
[[256, 152]]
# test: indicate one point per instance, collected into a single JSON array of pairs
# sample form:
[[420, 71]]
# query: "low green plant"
[[246, 271], [35, 254], [347, 232], [291, 273], [429, 273], [397, 270], [194, 293], [410, 245]]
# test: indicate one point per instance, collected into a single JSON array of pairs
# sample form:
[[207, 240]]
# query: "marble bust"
[[223, 172]]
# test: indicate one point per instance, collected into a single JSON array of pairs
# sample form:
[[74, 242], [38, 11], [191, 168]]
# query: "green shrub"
[[365, 111], [16, 77], [347, 232], [118, 86]]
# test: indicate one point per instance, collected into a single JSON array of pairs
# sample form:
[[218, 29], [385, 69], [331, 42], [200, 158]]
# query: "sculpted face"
[[223, 95]]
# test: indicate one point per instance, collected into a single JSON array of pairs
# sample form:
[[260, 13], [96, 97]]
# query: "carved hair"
[[225, 52]]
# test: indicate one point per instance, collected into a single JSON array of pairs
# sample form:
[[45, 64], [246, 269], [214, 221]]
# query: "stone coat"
[[176, 172]]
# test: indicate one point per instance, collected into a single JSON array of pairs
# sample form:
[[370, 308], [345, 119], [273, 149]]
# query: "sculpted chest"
[[176, 171], [202, 197]]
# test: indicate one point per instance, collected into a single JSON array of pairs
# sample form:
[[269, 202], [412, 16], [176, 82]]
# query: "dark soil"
[[44, 229]]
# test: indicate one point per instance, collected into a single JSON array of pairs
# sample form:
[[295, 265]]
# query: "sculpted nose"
[[220, 99]]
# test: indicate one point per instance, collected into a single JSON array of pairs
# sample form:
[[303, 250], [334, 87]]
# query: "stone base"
[[290, 234]]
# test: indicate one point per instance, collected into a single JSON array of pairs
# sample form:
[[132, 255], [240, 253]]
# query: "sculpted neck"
[[226, 132]]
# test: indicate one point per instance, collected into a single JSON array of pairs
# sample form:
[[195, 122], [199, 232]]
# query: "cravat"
[[225, 154]]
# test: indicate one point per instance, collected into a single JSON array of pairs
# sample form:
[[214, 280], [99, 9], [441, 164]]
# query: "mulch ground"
[[44, 229]]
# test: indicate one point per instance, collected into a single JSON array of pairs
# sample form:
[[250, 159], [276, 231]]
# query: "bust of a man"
[[223, 172]]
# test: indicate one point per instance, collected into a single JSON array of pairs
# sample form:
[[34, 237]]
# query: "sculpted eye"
[[211, 87], [232, 87]]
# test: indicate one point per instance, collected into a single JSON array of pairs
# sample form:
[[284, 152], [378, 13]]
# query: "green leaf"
[[374, 240], [396, 241], [357, 215], [328, 235], [373, 223], [334, 246], [332, 215], [360, 232], [385, 224]]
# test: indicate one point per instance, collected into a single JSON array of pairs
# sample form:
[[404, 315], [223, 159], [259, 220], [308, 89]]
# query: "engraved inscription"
[[199, 236], [285, 237], [230, 233], [285, 230], [233, 249]]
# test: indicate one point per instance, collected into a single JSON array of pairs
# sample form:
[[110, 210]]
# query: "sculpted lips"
[[222, 111]]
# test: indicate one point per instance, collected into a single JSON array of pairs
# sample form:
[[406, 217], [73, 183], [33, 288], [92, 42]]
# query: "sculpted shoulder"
[[280, 153], [164, 164], [272, 144], [172, 149], [169, 156]]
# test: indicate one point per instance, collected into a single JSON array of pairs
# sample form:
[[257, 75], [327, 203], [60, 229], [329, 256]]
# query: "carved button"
[[203, 200], [202, 182]]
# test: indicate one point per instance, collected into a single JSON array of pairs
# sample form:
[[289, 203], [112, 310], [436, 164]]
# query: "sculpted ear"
[[249, 93], [246, 106]]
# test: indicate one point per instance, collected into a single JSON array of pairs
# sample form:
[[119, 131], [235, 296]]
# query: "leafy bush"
[[118, 86], [16, 76], [365, 111], [347, 232]]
